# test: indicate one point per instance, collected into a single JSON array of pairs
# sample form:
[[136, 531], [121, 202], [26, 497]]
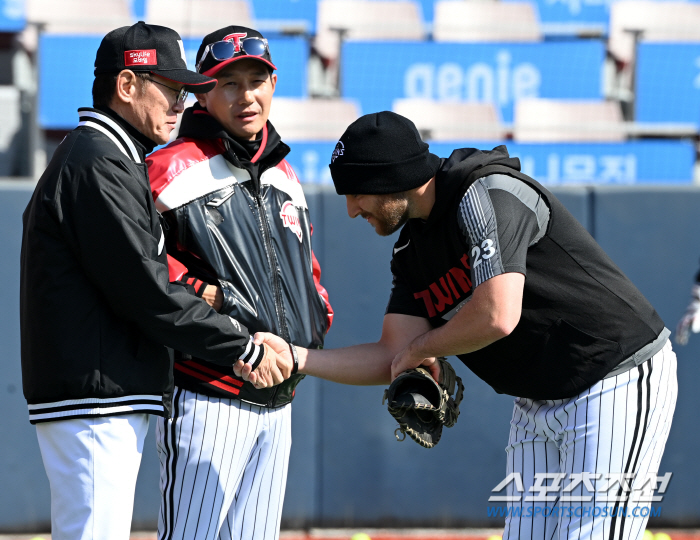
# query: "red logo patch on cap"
[[145, 57], [236, 38]]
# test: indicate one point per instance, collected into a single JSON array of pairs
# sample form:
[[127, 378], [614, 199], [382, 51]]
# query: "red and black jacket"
[[237, 217]]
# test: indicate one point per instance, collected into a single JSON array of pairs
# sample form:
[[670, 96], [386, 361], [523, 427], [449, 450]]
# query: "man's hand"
[[410, 358], [214, 296], [278, 345], [273, 369]]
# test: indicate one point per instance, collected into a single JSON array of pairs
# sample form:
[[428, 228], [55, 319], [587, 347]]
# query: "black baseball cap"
[[236, 35], [150, 48]]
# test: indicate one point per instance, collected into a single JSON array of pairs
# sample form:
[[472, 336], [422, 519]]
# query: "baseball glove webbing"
[[422, 406]]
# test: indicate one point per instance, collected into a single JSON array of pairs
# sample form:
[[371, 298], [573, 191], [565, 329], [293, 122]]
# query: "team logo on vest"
[[448, 289], [236, 38], [290, 218], [339, 151]]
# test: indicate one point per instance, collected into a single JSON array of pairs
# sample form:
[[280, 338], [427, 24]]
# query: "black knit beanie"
[[381, 153]]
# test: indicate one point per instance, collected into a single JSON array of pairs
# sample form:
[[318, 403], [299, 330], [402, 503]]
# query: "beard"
[[390, 215]]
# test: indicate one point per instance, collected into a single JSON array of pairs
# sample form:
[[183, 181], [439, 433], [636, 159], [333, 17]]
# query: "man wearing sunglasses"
[[96, 302], [238, 224]]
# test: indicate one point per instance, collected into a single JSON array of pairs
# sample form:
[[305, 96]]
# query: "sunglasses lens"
[[222, 50], [253, 47]]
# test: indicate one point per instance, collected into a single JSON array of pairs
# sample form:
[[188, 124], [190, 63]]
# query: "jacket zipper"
[[271, 257], [272, 260]]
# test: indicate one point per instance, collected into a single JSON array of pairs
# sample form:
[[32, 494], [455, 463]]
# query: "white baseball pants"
[[618, 426], [223, 469], [92, 465]]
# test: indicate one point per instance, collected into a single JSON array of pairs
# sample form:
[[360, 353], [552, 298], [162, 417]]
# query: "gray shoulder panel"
[[526, 195]]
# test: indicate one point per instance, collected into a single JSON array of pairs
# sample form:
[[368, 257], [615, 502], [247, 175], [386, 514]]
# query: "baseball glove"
[[421, 406]]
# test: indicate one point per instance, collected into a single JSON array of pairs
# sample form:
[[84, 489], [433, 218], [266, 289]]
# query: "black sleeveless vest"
[[581, 315]]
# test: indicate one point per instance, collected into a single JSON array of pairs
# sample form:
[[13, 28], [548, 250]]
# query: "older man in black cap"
[[489, 266], [97, 307]]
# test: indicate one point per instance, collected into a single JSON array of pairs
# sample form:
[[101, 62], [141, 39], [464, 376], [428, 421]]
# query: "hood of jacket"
[[467, 160]]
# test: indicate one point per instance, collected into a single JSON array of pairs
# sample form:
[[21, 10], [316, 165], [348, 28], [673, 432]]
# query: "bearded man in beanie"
[[238, 223], [97, 308], [490, 267]]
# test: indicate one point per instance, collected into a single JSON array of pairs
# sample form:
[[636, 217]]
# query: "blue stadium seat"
[[582, 18], [668, 83], [59, 55], [285, 16], [12, 16]]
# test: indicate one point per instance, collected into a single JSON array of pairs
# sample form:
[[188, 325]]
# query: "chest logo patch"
[[290, 218]]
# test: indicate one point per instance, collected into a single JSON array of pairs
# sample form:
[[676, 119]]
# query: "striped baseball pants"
[[223, 469], [589, 458]]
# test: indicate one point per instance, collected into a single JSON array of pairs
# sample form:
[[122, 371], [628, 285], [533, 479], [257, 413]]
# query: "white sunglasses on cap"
[[225, 50]]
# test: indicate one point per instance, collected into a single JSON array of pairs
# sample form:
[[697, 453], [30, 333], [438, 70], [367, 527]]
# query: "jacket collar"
[[134, 144]]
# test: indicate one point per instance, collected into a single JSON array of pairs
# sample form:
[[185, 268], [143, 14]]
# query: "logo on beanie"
[[290, 218], [236, 38], [339, 150]]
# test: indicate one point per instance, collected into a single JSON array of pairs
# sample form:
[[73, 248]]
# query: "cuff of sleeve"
[[197, 285], [295, 358], [253, 354]]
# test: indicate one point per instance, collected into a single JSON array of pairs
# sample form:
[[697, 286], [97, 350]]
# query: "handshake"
[[279, 362]]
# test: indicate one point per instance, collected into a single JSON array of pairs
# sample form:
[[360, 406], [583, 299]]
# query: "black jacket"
[[96, 305], [237, 216], [581, 316]]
